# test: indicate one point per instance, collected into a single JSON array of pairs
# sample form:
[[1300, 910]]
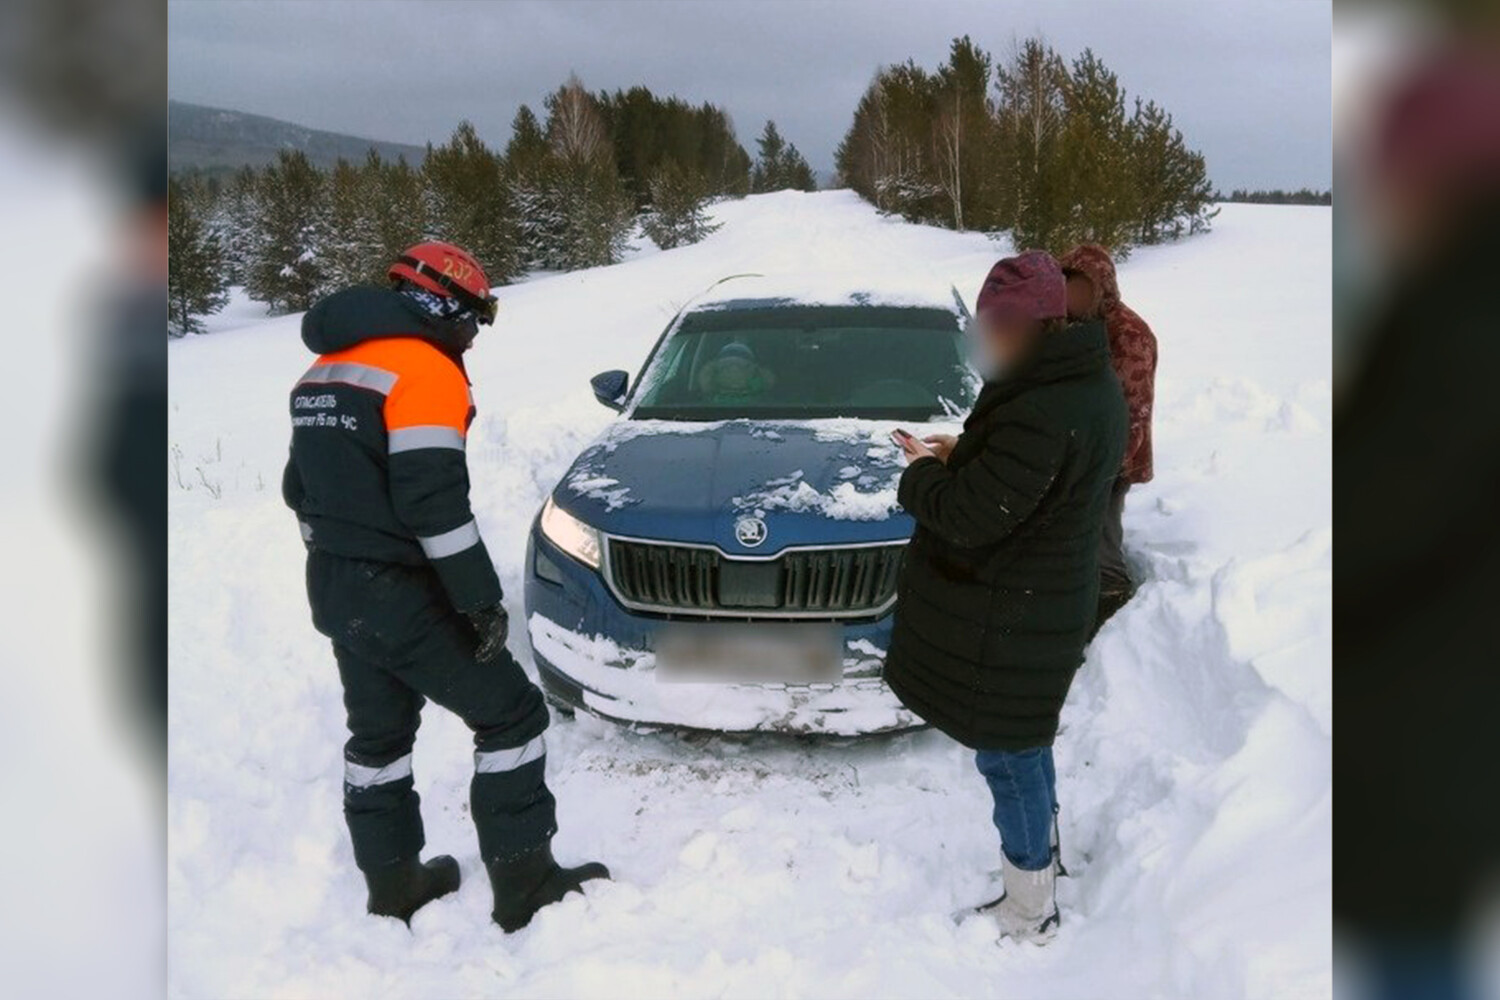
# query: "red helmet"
[[447, 270]]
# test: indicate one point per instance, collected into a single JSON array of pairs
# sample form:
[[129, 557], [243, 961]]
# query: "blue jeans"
[[1024, 785]]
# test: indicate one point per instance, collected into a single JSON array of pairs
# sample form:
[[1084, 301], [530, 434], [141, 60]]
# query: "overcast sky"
[[1248, 81]]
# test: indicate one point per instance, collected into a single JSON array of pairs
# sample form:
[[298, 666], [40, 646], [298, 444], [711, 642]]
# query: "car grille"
[[836, 582]]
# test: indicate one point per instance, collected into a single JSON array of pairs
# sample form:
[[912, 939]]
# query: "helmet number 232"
[[457, 269]]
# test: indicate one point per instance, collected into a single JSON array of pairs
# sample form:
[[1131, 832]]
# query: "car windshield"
[[806, 362]]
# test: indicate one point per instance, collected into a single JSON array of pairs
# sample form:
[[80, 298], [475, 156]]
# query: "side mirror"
[[610, 388]]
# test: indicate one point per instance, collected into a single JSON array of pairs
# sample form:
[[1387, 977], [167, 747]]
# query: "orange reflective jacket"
[[380, 423]]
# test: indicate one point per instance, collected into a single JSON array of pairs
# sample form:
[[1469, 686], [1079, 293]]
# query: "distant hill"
[[216, 139]]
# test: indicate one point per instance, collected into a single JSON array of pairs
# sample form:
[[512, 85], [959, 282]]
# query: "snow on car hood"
[[811, 482]]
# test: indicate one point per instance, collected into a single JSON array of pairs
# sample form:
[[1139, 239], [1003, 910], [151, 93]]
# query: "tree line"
[[567, 191], [1053, 152], [1276, 196]]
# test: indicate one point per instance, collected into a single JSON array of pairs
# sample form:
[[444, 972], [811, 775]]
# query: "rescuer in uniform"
[[399, 579]]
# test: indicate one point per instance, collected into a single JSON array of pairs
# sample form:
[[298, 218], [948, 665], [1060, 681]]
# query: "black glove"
[[492, 626]]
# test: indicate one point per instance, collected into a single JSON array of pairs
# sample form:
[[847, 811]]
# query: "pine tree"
[[778, 165], [1031, 114], [734, 170], [196, 280], [646, 131], [236, 220], [721, 159], [1096, 161], [1175, 196], [766, 175], [469, 202], [582, 190], [286, 270], [538, 220], [888, 155], [642, 131], [354, 250], [962, 133], [862, 160], [769, 171], [677, 215], [398, 207], [797, 174], [1051, 156]]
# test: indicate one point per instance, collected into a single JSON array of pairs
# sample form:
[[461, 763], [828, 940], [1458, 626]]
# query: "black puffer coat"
[[1001, 580]]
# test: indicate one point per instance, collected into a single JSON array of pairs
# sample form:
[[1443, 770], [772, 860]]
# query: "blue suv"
[[725, 556]]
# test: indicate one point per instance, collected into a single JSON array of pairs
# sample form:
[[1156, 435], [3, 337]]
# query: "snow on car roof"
[[761, 291]]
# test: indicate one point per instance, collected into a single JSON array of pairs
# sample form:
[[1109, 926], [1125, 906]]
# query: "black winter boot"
[[401, 889], [526, 884]]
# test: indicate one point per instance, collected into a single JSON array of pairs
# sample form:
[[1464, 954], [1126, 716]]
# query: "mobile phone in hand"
[[901, 437]]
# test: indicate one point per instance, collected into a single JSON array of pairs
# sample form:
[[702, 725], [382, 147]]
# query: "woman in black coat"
[[1000, 585]]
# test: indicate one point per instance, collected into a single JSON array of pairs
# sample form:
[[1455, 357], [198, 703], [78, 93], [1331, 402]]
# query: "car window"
[[809, 362], [672, 356]]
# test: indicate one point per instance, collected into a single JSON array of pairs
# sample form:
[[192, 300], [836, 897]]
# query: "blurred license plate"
[[733, 653]]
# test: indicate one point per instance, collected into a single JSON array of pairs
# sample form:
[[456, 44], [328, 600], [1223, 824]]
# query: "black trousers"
[[1114, 575], [399, 643], [1115, 585]]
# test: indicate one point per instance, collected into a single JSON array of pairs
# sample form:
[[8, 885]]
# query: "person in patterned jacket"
[[1094, 293], [400, 580]]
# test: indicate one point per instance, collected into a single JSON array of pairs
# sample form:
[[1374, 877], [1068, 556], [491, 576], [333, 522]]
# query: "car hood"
[[811, 482]]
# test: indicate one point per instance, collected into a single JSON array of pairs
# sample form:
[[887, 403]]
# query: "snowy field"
[[1194, 763]]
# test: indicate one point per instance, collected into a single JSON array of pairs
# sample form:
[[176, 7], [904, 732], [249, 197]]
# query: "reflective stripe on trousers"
[[494, 761], [363, 776]]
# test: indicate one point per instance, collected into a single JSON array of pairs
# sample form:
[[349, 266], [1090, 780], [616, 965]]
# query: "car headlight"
[[570, 534]]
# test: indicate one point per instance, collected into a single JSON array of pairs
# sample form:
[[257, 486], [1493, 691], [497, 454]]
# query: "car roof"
[[768, 291]]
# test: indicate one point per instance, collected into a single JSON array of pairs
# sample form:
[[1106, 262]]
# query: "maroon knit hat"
[[1030, 285], [1441, 126]]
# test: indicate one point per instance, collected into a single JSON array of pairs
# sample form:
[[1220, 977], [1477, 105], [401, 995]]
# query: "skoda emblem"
[[750, 531]]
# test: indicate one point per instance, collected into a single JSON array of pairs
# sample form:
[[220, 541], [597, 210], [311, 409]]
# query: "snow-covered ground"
[[1194, 763], [240, 311]]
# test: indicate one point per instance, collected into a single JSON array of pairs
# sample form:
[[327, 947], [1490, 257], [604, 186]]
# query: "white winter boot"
[[1028, 910]]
